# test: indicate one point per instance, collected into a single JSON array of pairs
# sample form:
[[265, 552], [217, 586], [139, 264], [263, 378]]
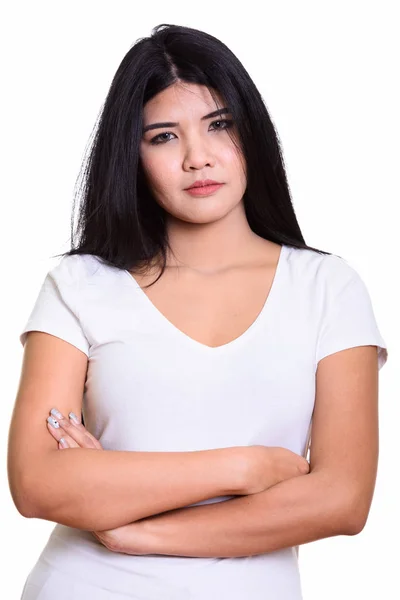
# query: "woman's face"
[[196, 148]]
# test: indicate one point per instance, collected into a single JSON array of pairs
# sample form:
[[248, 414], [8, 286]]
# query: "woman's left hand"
[[71, 433]]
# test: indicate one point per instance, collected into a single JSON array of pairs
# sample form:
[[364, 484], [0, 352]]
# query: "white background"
[[328, 72]]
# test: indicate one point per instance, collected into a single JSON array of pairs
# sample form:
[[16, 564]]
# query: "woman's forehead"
[[183, 98]]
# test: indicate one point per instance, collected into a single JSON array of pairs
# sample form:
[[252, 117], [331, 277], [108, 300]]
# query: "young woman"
[[199, 336]]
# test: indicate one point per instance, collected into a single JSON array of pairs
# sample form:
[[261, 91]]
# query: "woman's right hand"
[[268, 465]]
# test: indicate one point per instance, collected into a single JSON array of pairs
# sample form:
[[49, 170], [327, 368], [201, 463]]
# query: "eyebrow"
[[215, 113]]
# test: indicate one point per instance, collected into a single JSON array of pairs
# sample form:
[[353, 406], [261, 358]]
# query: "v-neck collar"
[[266, 309]]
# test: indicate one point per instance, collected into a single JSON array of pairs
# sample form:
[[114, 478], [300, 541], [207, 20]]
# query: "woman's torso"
[[152, 386]]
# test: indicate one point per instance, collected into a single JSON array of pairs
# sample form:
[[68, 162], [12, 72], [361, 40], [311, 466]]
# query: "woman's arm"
[[290, 513], [87, 488]]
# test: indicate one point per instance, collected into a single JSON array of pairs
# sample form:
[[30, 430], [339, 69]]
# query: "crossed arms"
[[91, 490]]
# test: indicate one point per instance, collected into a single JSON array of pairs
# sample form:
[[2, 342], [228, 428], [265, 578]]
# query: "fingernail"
[[74, 418], [53, 422], [56, 413], [63, 443]]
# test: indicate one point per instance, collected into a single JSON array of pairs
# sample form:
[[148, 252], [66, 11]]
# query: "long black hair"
[[119, 220]]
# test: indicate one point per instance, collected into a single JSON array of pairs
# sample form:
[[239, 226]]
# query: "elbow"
[[24, 485], [26, 511], [30, 493], [356, 516], [24, 499], [33, 493], [346, 507], [345, 515], [355, 525]]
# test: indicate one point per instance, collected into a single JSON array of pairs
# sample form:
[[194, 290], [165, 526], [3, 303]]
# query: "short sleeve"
[[55, 309], [349, 321]]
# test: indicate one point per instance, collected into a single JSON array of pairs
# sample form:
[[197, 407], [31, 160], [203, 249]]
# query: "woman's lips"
[[205, 190]]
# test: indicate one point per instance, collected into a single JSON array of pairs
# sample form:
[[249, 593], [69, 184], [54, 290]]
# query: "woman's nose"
[[198, 154]]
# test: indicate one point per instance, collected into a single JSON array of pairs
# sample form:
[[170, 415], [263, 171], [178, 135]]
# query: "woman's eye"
[[158, 139], [227, 121]]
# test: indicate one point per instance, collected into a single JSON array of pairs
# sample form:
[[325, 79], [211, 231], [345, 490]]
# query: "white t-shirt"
[[150, 387]]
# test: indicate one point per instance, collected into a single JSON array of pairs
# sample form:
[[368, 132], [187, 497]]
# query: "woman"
[[200, 337]]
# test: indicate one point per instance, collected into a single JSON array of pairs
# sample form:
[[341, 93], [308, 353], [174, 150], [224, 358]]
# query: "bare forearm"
[[98, 490], [294, 512]]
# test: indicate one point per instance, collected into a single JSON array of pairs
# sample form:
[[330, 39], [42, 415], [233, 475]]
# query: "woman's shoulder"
[[77, 269], [321, 269]]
